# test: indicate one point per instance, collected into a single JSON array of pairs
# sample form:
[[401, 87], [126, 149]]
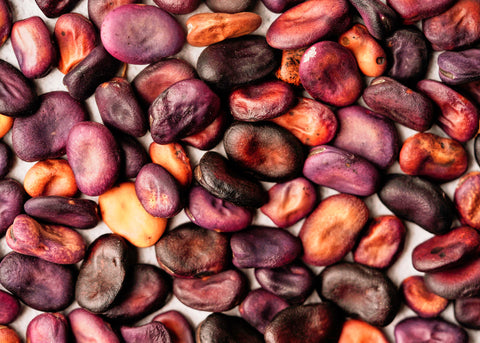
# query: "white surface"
[[53, 81]]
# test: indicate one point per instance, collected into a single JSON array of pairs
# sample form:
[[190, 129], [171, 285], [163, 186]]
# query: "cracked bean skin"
[[416, 330]]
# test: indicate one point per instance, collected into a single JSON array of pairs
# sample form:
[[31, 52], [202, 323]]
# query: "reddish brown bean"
[[422, 301], [467, 197], [414, 11], [177, 325], [219, 327]]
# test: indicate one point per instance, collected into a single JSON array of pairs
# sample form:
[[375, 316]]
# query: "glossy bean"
[[6, 124], [210, 136], [279, 6]]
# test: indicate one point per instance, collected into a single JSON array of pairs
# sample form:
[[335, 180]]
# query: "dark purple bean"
[[218, 176], [407, 44], [50, 124], [293, 282], [6, 159], [412, 12], [341, 170], [55, 8], [77, 213], [445, 251], [215, 293], [312, 323], [9, 308], [420, 330], [367, 134], [259, 308], [190, 251], [94, 157], [237, 61], [401, 104], [264, 149], [134, 155], [119, 107], [48, 327], [158, 191], [279, 6], [461, 281], [417, 200], [219, 327], [216, 214], [459, 67], [98, 9], [88, 327], [183, 109], [379, 18], [54, 243], [97, 67], [177, 325], [230, 6], [147, 290], [103, 272], [139, 34], [467, 312], [154, 332], [42, 285], [17, 94], [12, 198], [178, 6], [264, 247], [362, 292], [476, 151]]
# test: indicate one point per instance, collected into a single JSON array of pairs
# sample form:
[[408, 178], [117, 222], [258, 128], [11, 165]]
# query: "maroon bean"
[[412, 12], [466, 198], [293, 282], [213, 213], [77, 213], [53, 9], [178, 6], [154, 332], [42, 285], [445, 251], [54, 243], [216, 293], [160, 34], [367, 134], [329, 73], [12, 198], [417, 330], [219, 327], [210, 136], [50, 124], [189, 251], [379, 18], [134, 155], [264, 247], [6, 159], [9, 308], [467, 312], [103, 272], [88, 327], [266, 150], [98, 9], [147, 289], [48, 327], [279, 6], [177, 325], [94, 157], [307, 23], [312, 323], [259, 307], [362, 292], [119, 107]]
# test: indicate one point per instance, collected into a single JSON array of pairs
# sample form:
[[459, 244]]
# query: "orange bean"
[[8, 335], [370, 56], [6, 124], [288, 70], [174, 159], [123, 213], [50, 177], [357, 331], [422, 301]]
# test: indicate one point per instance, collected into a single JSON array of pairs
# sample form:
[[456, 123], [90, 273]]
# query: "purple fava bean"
[[48, 327], [177, 325], [414, 11], [158, 191], [219, 327], [279, 6], [154, 332], [134, 155], [467, 312], [17, 94], [379, 18], [367, 134], [259, 307], [98, 9], [55, 8], [88, 327], [459, 67], [9, 308], [216, 214], [420, 330], [119, 108], [94, 157], [141, 34], [215, 293], [230, 6], [6, 159], [178, 6], [183, 109], [50, 124], [42, 285], [264, 247], [12, 198], [341, 170], [293, 282], [77, 213]]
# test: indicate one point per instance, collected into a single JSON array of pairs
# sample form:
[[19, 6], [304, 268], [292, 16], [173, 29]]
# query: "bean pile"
[[233, 171]]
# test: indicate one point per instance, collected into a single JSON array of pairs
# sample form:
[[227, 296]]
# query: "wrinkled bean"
[[459, 67], [417, 330], [50, 177], [154, 332]]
